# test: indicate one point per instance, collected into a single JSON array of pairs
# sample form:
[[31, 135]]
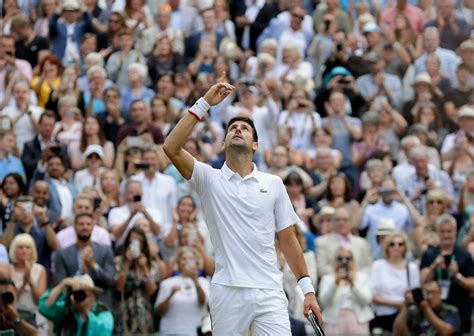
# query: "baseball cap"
[[466, 45], [371, 27], [422, 78], [94, 149], [71, 5], [466, 112], [327, 210], [373, 57]]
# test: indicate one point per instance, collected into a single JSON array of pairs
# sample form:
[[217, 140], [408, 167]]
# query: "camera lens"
[[79, 296], [8, 298]]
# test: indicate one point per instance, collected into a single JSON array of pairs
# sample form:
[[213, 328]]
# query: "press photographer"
[[72, 307], [9, 317], [424, 313]]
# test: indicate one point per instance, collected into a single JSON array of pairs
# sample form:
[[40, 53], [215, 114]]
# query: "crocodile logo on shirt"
[[263, 191]]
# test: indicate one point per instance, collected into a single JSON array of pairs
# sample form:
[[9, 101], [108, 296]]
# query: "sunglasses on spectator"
[[301, 17], [344, 258], [399, 244], [438, 201]]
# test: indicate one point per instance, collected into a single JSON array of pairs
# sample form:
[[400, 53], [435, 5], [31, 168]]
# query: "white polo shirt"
[[243, 215]]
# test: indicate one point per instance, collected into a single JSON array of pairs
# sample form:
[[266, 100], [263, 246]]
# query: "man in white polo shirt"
[[243, 208]]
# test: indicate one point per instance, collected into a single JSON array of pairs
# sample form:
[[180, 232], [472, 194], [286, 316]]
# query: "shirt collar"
[[228, 173]]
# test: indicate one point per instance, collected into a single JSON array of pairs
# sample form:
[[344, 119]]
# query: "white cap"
[[86, 283], [71, 5], [466, 112], [94, 149]]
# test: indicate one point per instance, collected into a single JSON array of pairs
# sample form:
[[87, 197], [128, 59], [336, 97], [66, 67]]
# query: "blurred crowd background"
[[365, 109]]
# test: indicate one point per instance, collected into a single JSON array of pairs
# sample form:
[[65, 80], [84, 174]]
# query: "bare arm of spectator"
[[208, 262], [400, 327], [118, 230]]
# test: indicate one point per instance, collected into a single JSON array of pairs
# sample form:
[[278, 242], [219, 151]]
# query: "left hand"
[[453, 268], [310, 302]]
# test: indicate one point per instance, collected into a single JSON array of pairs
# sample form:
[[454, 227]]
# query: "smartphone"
[[135, 248], [56, 150], [97, 201], [134, 141], [447, 260], [142, 166], [344, 266], [417, 295], [28, 207], [327, 23], [192, 235], [385, 191], [137, 198]]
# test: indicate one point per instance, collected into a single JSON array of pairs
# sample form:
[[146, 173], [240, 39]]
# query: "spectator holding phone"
[[138, 276], [12, 186], [345, 297], [73, 308], [424, 313], [452, 267], [122, 219], [182, 299], [390, 278], [28, 218]]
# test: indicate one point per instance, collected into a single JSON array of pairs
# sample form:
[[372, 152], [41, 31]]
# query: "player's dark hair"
[[245, 120]]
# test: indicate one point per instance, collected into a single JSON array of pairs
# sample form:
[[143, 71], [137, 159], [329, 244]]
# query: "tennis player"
[[243, 208]]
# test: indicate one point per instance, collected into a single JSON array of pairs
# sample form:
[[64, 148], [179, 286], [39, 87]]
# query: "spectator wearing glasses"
[[452, 267], [345, 296], [390, 278]]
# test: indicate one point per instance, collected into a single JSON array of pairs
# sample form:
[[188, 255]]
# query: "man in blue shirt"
[[9, 163]]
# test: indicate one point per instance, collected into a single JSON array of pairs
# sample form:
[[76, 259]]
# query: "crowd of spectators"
[[365, 109]]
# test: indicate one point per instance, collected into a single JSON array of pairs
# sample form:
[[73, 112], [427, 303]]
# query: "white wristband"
[[200, 108], [306, 285]]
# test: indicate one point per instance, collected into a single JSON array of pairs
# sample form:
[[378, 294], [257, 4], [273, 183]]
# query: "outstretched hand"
[[218, 92]]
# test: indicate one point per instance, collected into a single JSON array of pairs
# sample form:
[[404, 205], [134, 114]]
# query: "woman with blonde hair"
[[29, 278], [182, 299], [390, 278], [345, 297], [436, 204]]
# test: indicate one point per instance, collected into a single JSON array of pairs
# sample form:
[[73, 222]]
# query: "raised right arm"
[[175, 141]]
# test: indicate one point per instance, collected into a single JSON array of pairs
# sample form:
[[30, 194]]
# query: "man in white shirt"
[[244, 209], [23, 115], [122, 219], [67, 237], [159, 190]]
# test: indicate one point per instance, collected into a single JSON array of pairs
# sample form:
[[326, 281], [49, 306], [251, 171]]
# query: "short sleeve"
[[202, 174], [164, 291], [285, 215], [427, 258], [454, 320]]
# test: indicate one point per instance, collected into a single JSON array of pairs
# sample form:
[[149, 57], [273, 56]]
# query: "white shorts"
[[236, 310]]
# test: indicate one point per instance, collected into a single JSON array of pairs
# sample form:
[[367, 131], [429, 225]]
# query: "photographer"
[[429, 315], [72, 307], [10, 319], [452, 267]]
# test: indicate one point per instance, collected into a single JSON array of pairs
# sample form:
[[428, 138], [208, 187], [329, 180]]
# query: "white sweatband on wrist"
[[306, 285], [200, 108]]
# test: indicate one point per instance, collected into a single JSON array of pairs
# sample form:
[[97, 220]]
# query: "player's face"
[[240, 134]]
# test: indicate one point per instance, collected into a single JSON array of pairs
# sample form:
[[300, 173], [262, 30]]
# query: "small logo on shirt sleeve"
[[263, 191]]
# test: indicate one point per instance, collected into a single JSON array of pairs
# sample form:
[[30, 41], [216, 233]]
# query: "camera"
[[249, 83], [417, 295], [447, 260], [137, 198], [7, 297], [79, 295], [339, 47], [56, 150], [142, 166], [327, 23]]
